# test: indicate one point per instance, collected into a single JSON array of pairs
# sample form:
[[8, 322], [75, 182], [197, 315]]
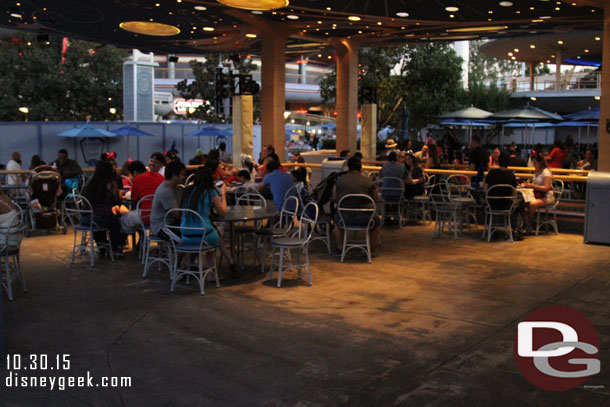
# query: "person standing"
[[478, 161]]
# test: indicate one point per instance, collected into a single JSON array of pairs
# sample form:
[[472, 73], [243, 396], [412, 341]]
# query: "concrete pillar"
[[243, 107], [273, 90], [368, 139], [532, 66], [603, 162], [302, 69], [347, 94], [558, 70]]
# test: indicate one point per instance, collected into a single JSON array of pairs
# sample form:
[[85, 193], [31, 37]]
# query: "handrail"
[[572, 178], [465, 166]]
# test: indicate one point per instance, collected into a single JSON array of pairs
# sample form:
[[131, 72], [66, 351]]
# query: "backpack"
[[323, 192]]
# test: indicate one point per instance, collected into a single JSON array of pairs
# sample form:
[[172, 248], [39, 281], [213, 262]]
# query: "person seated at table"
[[199, 158], [557, 156], [110, 157], [69, 170], [202, 196], [224, 155], [589, 162], [220, 172], [167, 196], [414, 177], [144, 183], [391, 169], [8, 220], [102, 191], [126, 176], [493, 158], [156, 163], [277, 181], [514, 159], [14, 164], [422, 155], [353, 182], [36, 162], [542, 184], [502, 176]]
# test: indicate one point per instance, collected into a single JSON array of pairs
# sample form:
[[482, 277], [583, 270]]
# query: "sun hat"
[[390, 143]]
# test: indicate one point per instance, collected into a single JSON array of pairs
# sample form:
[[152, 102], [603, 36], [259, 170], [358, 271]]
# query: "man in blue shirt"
[[279, 182]]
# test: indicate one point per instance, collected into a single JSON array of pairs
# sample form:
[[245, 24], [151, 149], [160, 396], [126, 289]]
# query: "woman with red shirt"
[[557, 156]]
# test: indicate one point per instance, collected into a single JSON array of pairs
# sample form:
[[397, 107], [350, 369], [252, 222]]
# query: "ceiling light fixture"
[[255, 4], [354, 18], [147, 28], [249, 35], [200, 8], [506, 3], [478, 29], [402, 14], [452, 9], [292, 17], [208, 28]]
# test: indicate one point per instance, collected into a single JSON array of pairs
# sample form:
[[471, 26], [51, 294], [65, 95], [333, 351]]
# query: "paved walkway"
[[428, 323]]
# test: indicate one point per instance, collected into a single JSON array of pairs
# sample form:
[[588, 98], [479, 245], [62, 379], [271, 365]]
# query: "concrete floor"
[[428, 323]]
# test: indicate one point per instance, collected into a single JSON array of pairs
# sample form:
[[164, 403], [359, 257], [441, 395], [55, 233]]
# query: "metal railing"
[[567, 81], [187, 73]]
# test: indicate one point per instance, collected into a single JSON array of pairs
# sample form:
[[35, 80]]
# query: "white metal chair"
[[323, 222], [283, 227], [299, 242], [356, 215], [392, 192], [80, 214], [144, 229], [549, 212], [458, 191], [446, 211], [182, 252], [500, 201], [10, 244]]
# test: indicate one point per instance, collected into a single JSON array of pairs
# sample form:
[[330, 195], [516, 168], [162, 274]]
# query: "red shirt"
[[145, 184], [556, 158]]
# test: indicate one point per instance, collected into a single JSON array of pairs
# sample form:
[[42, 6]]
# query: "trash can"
[[597, 213], [332, 164]]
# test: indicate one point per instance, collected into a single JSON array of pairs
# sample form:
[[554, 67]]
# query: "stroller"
[[45, 185]]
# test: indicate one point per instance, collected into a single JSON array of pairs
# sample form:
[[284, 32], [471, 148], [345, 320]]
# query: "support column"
[[368, 138], [347, 94], [273, 90], [242, 127], [558, 70], [603, 161], [532, 66]]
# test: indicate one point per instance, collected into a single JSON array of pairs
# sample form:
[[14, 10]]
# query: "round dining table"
[[242, 214]]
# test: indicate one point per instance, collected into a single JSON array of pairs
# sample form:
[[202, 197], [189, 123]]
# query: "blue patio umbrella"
[[210, 131], [130, 131], [86, 132], [91, 140], [329, 126], [589, 115]]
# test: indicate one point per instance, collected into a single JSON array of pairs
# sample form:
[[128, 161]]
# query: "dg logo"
[[556, 348]]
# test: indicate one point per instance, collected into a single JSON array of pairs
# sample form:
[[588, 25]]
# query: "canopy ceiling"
[[312, 23]]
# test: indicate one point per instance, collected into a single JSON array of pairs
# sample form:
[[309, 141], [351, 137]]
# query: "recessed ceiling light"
[[200, 8], [16, 15], [506, 3], [251, 35], [510, 54], [560, 42], [544, 17], [597, 39], [516, 50], [402, 14], [208, 28], [533, 98], [596, 97], [354, 18], [256, 12], [532, 46], [452, 9], [292, 17]]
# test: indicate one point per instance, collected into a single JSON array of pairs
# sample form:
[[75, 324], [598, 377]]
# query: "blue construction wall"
[[41, 138]]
